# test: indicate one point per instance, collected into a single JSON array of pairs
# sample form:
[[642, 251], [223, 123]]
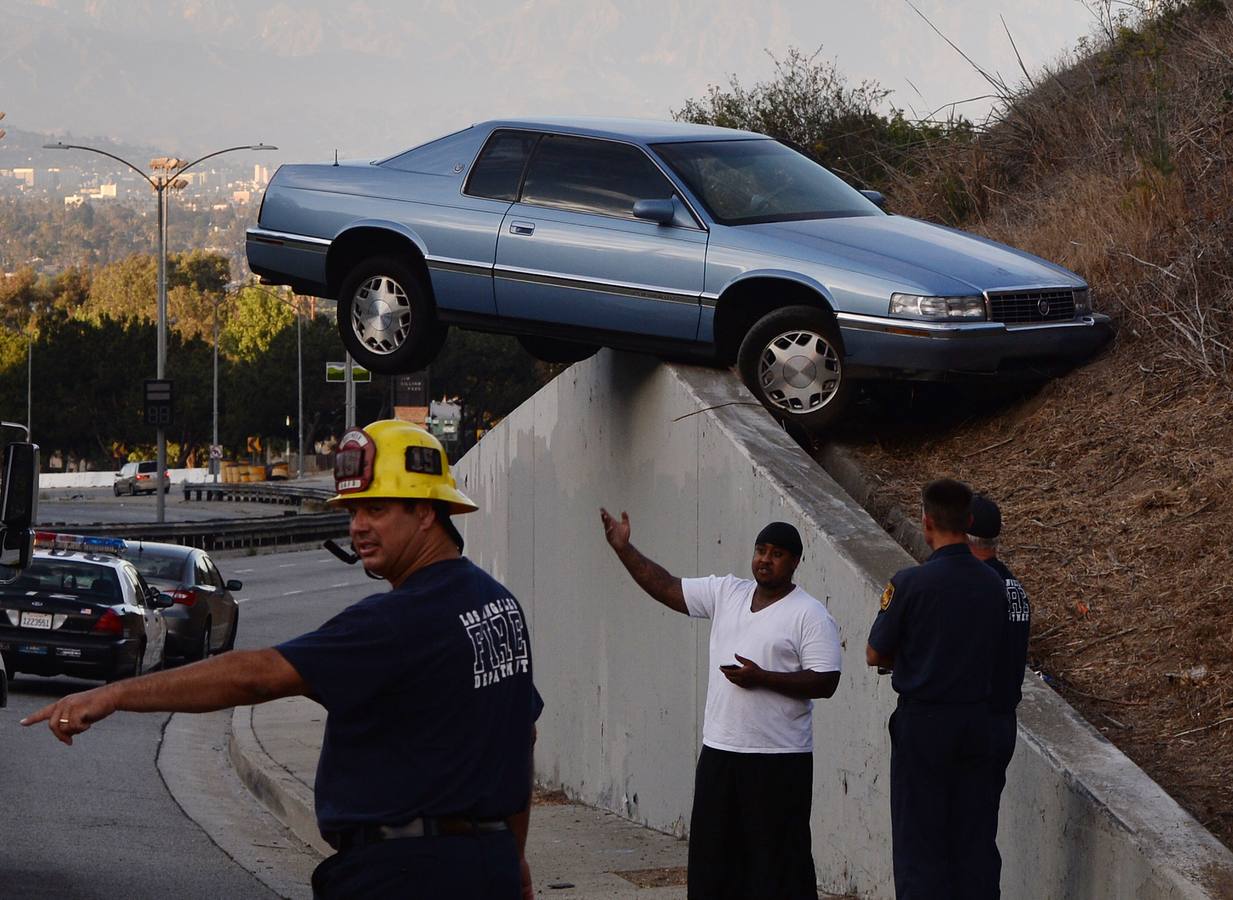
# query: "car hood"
[[928, 256]]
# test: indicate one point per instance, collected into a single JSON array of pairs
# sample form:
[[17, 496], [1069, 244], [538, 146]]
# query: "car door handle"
[[521, 228]]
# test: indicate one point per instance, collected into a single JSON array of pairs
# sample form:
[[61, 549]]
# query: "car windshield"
[[748, 182], [65, 576]]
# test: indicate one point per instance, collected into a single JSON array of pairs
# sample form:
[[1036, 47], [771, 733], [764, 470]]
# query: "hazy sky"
[[373, 76]]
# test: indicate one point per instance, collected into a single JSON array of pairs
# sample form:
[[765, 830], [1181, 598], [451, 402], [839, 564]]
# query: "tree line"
[[84, 341]]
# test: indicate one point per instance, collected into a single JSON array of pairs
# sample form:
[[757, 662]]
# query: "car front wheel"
[[791, 361], [386, 319]]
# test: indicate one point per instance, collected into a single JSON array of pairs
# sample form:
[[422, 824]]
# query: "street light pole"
[[174, 168]]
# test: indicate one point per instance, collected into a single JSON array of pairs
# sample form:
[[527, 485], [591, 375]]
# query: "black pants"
[[459, 867], [749, 831], [941, 798]]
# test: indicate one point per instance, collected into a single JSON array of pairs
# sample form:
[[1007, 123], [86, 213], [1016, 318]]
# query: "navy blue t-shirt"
[[1012, 652], [429, 698], [942, 621]]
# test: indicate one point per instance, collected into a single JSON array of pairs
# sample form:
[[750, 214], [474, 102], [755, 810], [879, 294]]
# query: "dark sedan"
[[205, 615]]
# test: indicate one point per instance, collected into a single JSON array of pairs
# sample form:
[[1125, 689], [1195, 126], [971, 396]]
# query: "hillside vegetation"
[[1116, 480]]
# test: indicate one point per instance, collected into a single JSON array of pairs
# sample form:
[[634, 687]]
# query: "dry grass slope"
[[1116, 481]]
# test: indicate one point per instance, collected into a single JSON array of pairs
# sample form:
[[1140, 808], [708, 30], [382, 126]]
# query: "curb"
[[288, 799]]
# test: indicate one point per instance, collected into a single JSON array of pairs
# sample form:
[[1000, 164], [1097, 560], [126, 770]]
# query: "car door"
[[571, 252], [226, 603], [209, 590], [155, 624]]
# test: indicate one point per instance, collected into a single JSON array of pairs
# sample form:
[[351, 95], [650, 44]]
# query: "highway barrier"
[[700, 468]]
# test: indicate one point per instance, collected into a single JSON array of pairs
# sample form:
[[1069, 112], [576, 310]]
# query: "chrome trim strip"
[[602, 287], [444, 264], [283, 239], [918, 328]]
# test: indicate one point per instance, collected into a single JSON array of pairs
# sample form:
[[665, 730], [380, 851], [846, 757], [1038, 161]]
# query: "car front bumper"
[[884, 347]]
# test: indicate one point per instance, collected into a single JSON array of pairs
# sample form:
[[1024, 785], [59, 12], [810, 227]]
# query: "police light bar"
[[52, 540]]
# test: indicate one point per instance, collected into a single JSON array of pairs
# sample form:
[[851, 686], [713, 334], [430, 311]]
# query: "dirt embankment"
[[1117, 481]]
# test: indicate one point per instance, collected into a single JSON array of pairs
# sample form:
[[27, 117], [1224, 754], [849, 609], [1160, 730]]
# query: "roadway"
[[96, 820], [93, 505]]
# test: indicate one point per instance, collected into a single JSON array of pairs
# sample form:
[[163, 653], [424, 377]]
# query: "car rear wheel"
[[115, 489], [791, 361], [553, 350], [385, 318]]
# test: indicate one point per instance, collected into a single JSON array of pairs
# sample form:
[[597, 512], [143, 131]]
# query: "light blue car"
[[684, 240]]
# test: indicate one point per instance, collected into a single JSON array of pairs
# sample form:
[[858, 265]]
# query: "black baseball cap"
[[986, 518], [781, 534]]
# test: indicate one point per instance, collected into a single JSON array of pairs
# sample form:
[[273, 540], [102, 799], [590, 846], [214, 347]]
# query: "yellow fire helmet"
[[392, 459]]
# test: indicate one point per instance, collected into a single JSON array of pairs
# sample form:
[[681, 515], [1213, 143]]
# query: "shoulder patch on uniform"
[[887, 595]]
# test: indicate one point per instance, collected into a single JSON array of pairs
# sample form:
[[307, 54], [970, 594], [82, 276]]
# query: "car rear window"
[[497, 172], [162, 568], [150, 466], [55, 576]]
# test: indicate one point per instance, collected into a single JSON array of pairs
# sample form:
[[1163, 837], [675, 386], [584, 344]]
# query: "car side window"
[[592, 176], [498, 170], [201, 574], [216, 577], [136, 584]]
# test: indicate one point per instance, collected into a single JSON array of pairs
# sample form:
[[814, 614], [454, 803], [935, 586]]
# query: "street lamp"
[[299, 357], [173, 168]]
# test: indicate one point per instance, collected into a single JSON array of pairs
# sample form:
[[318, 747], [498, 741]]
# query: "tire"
[[229, 644], [115, 489], [553, 350], [792, 362], [203, 645], [132, 671], [385, 317]]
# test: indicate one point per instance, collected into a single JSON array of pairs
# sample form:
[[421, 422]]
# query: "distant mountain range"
[[367, 77]]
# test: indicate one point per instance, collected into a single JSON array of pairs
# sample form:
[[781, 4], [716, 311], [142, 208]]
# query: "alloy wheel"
[[381, 314]]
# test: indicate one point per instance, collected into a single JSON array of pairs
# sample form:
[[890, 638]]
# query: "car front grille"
[[1023, 307]]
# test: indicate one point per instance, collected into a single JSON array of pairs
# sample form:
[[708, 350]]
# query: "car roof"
[[644, 130], [91, 559], [155, 548]]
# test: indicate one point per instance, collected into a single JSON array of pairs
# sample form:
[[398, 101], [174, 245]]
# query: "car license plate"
[[35, 620]]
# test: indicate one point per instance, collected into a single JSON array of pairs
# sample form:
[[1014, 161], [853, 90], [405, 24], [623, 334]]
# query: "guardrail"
[[231, 534], [285, 494]]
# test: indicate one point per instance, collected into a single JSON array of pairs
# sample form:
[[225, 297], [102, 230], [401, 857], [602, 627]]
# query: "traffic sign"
[[216, 451], [158, 402], [337, 371]]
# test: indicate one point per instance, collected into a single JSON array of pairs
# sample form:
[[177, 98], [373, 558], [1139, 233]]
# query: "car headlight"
[[913, 306], [1083, 301]]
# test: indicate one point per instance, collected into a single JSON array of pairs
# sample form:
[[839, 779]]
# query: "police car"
[[80, 609]]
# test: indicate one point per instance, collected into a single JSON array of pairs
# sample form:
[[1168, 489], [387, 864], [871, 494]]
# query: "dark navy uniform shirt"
[[429, 699], [942, 622], [1012, 653]]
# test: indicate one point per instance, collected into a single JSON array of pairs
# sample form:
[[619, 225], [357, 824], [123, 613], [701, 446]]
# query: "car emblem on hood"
[[1043, 306]]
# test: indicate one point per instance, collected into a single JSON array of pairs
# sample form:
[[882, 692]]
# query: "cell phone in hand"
[[731, 666]]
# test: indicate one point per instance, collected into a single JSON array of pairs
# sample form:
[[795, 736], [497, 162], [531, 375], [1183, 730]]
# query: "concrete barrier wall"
[[700, 468], [107, 479]]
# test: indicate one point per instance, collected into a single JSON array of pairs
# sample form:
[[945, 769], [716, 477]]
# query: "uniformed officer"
[[1011, 656], [937, 629], [424, 781]]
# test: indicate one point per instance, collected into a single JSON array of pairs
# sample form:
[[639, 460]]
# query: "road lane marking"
[[243, 571], [287, 565], [292, 593]]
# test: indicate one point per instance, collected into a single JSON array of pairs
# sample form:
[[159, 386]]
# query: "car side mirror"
[[661, 211], [877, 198], [19, 500], [235, 585], [160, 600]]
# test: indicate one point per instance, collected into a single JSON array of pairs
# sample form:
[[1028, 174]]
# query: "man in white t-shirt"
[[774, 649]]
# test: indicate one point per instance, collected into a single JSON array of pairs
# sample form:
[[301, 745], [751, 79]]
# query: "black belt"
[[425, 826]]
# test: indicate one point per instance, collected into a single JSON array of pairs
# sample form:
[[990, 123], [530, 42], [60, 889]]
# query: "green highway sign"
[[337, 371]]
